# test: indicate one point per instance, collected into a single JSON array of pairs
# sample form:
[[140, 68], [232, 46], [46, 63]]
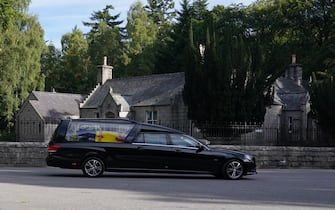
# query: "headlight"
[[247, 158]]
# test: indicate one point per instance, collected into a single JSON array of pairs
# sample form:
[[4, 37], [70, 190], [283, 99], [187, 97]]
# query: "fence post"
[[190, 128]]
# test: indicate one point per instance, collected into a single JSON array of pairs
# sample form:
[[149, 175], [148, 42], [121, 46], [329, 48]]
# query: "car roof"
[[142, 126], [157, 128], [105, 120]]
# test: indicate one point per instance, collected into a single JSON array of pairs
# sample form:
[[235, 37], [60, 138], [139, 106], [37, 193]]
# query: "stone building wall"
[[29, 125], [163, 112]]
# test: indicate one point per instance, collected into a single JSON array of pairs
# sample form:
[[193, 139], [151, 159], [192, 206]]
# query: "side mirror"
[[200, 148]]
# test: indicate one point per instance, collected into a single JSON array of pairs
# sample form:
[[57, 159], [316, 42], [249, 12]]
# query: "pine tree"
[[105, 39]]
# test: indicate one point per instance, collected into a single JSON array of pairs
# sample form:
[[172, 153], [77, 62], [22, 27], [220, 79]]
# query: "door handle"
[[140, 148]]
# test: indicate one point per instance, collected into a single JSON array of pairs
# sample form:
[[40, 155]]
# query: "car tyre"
[[93, 167], [233, 169]]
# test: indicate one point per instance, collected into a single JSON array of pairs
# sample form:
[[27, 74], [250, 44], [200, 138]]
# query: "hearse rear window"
[[85, 131]]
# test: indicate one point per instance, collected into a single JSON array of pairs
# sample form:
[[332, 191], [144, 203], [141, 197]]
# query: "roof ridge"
[[146, 76], [58, 93]]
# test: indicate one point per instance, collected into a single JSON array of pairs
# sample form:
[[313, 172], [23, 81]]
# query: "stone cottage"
[[152, 99], [41, 113], [291, 107]]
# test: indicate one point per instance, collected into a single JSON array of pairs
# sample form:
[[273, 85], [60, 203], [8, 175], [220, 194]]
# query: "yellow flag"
[[107, 136]]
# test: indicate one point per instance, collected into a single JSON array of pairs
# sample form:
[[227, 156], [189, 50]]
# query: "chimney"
[[104, 72], [294, 72]]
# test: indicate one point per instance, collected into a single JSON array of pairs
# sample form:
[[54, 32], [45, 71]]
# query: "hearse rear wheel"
[[93, 167]]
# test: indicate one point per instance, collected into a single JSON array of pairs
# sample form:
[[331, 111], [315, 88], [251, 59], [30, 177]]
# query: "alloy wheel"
[[233, 169], [93, 167]]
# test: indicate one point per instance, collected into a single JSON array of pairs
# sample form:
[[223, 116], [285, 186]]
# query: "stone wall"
[[23, 154], [290, 157], [33, 154]]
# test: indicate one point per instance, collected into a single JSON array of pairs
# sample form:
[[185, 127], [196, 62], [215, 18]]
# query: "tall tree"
[[141, 36], [51, 67], [75, 63], [105, 17], [141, 30], [200, 9], [168, 54], [195, 82], [226, 83], [105, 39], [21, 46], [7, 13], [161, 12], [323, 100]]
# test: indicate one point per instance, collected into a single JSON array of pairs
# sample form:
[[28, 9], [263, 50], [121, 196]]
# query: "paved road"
[[61, 189]]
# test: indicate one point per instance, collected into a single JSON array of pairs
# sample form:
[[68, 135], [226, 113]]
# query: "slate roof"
[[156, 89], [289, 94], [55, 106]]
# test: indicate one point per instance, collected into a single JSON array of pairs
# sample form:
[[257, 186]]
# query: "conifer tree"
[[105, 39]]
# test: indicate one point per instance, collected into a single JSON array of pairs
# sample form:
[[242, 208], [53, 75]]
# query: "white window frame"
[[151, 117]]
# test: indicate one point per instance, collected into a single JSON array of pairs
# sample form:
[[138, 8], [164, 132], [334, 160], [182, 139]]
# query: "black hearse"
[[98, 145]]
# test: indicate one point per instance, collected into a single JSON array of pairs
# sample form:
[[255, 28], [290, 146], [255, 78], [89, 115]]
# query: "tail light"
[[53, 148]]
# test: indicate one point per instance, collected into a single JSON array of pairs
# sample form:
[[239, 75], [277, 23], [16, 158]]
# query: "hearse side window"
[[86, 131], [151, 138], [139, 138], [182, 140], [60, 131]]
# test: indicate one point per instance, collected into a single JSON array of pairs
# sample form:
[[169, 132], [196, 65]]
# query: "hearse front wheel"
[[233, 169], [93, 167]]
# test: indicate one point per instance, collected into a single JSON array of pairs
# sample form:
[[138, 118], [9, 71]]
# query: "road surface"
[[63, 189]]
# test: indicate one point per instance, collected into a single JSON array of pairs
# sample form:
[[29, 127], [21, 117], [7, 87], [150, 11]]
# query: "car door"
[[149, 151], [189, 155]]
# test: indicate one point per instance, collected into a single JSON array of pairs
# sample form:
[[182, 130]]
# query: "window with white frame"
[[151, 117]]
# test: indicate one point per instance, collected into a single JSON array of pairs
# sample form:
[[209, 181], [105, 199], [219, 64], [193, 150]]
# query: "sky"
[[58, 17]]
